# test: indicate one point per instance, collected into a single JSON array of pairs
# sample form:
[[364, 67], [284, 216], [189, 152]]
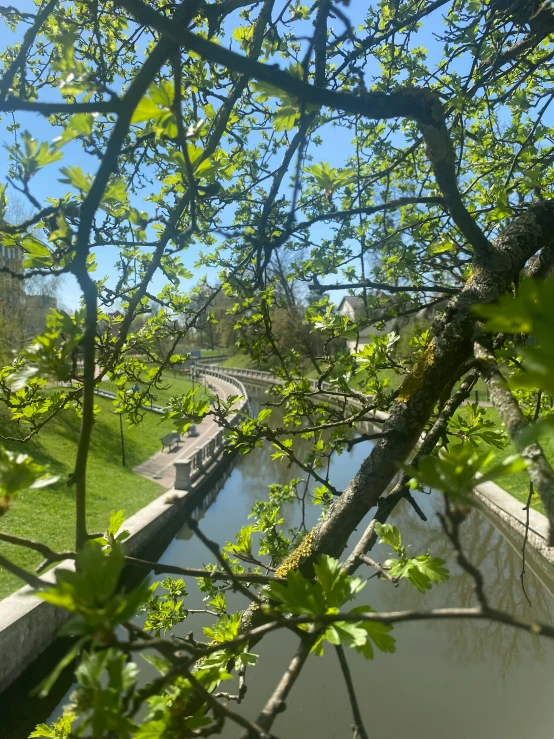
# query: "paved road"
[[160, 466]]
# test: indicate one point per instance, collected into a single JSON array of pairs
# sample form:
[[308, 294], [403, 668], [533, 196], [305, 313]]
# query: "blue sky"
[[335, 149]]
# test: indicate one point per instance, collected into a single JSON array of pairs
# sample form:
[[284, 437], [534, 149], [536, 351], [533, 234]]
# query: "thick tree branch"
[[387, 288], [420, 104], [539, 469], [437, 368], [161, 52], [13, 104]]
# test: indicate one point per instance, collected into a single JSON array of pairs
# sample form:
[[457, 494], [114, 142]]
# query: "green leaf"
[[244, 541], [284, 118], [421, 571], [116, 522], [389, 535], [91, 592], [528, 313], [46, 685], [18, 472], [332, 589], [38, 254], [337, 586], [60, 729], [298, 595], [247, 658], [225, 628], [376, 632], [151, 730], [267, 91], [146, 110], [161, 664], [82, 123], [116, 192], [460, 469], [76, 177], [162, 94]]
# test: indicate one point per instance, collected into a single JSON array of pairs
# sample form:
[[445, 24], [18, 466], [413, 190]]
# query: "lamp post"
[[123, 464], [122, 441]]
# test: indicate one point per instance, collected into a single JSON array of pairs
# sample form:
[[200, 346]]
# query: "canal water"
[[452, 680]]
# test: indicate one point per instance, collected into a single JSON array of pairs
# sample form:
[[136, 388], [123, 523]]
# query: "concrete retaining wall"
[[28, 625]]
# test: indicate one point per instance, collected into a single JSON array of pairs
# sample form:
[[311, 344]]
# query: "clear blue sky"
[[334, 150]]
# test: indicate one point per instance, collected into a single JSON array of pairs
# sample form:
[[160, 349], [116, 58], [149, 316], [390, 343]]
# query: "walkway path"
[[160, 468]]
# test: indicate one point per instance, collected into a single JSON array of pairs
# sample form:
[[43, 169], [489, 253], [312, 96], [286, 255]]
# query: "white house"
[[353, 307]]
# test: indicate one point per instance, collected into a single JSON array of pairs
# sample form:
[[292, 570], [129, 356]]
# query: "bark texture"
[[441, 363]]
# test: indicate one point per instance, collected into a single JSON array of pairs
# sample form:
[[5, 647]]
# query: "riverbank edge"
[[29, 625], [497, 501]]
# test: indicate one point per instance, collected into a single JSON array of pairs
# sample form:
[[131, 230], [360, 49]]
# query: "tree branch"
[[28, 40], [387, 288], [539, 469], [420, 104], [158, 569], [368, 210], [27, 577], [358, 727], [14, 104]]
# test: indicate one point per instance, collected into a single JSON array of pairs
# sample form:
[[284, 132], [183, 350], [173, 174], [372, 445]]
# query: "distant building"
[[353, 308], [11, 289]]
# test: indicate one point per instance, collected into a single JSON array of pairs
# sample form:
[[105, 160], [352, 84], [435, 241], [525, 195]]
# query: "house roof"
[[350, 300], [357, 303]]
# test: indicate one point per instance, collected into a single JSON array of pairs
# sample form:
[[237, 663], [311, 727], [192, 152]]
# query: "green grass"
[[48, 514], [173, 383], [212, 352], [240, 361], [518, 484]]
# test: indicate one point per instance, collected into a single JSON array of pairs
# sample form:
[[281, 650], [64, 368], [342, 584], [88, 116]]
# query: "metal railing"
[[112, 395], [263, 376], [225, 376], [481, 396]]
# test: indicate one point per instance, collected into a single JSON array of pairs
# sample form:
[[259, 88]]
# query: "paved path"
[[160, 468]]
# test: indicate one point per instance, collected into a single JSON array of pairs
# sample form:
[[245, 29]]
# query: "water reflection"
[[459, 680], [472, 643]]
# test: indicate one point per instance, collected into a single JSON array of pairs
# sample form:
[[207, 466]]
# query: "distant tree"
[[24, 303]]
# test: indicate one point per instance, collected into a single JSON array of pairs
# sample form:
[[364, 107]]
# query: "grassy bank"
[[241, 361], [48, 514], [518, 484], [173, 383]]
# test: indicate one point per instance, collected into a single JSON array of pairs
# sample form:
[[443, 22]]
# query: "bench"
[[171, 439]]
